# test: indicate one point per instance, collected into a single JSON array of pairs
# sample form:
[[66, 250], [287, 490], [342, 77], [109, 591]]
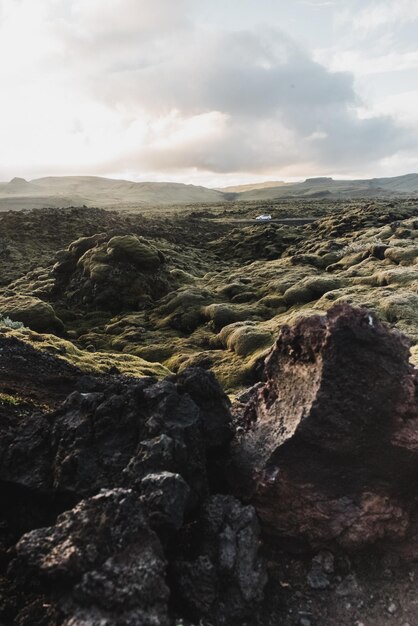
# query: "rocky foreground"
[[155, 502]]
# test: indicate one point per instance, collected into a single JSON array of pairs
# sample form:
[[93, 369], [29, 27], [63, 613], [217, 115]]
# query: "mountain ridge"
[[65, 191]]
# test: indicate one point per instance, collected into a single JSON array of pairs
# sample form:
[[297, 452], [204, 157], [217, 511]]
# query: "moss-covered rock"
[[245, 338], [135, 250], [402, 255], [402, 309], [181, 310], [32, 312], [278, 303], [309, 289], [221, 315], [91, 362], [122, 273], [78, 247]]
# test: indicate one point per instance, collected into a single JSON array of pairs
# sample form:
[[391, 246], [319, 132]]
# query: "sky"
[[215, 92]]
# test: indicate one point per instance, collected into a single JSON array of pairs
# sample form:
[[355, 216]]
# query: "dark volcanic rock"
[[330, 448], [32, 374], [100, 564], [220, 574], [118, 436], [154, 445], [155, 437], [166, 496]]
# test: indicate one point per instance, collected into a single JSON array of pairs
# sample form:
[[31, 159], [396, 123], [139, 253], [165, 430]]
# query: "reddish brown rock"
[[329, 451]]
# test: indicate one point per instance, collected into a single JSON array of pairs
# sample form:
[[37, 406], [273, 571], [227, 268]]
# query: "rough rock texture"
[[126, 465], [219, 574], [330, 448], [100, 564], [119, 433]]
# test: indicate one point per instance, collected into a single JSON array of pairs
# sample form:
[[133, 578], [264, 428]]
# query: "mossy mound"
[[405, 255], [182, 310], [32, 312], [220, 315], [90, 362], [245, 338], [138, 251], [310, 288], [256, 242], [122, 273], [278, 303], [401, 309]]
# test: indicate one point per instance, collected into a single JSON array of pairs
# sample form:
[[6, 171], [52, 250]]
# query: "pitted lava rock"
[[219, 573], [131, 462], [102, 562], [330, 448]]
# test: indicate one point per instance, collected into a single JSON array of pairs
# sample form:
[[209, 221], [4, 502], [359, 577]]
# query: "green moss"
[[6, 399], [402, 255], [135, 250], [245, 338], [80, 246], [245, 296], [91, 362], [223, 314], [277, 303], [31, 312], [181, 310], [309, 289]]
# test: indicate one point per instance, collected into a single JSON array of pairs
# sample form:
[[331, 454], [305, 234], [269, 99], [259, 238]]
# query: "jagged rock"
[[118, 436], [213, 404], [155, 445], [322, 566], [103, 562], [165, 496], [155, 437], [219, 574], [330, 448]]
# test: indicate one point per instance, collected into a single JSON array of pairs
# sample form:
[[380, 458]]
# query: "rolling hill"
[[65, 191]]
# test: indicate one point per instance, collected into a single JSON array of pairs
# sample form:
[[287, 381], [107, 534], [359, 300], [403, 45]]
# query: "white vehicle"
[[263, 218]]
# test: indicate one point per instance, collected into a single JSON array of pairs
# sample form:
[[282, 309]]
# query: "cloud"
[[132, 85], [260, 102], [364, 63], [377, 14]]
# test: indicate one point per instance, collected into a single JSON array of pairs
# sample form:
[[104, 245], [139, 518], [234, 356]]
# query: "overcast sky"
[[211, 92]]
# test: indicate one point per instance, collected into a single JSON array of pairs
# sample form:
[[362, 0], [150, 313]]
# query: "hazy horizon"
[[249, 182], [203, 94]]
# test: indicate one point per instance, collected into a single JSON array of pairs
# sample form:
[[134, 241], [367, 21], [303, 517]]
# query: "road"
[[294, 221]]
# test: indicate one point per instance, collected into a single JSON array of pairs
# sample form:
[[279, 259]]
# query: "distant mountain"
[[18, 186], [64, 191], [328, 187]]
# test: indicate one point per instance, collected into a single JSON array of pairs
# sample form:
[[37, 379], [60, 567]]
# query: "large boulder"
[[144, 434], [329, 447]]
